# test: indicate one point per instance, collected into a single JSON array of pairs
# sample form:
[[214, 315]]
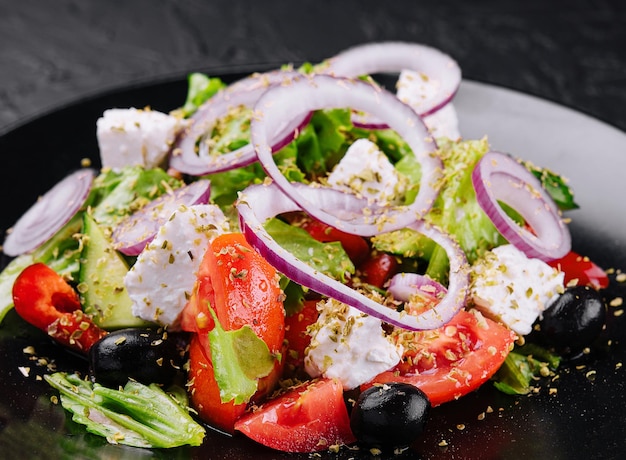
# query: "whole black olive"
[[147, 355], [389, 415], [574, 319]]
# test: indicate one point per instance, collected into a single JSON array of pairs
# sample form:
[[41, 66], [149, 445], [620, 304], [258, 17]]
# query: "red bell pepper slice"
[[44, 299]]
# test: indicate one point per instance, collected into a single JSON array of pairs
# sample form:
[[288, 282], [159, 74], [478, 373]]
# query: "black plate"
[[578, 415]]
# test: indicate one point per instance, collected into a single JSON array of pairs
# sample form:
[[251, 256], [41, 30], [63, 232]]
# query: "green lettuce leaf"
[[331, 129], [328, 258], [201, 88], [240, 358], [524, 366], [117, 194], [137, 415], [294, 295], [555, 185]]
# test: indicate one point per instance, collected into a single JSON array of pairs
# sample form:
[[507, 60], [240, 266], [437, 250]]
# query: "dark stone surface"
[[55, 52]]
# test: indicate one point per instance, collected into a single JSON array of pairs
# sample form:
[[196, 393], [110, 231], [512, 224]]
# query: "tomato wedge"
[[242, 289], [451, 361], [43, 298], [355, 246], [205, 393], [308, 418], [581, 270], [378, 269], [297, 338]]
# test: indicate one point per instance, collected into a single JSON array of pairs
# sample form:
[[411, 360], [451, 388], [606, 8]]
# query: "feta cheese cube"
[[415, 89], [130, 137], [512, 288], [164, 274], [367, 171], [349, 345]]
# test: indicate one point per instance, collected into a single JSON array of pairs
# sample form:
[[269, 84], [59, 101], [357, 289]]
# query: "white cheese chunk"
[[130, 137], [512, 288], [349, 346], [367, 171], [416, 89], [162, 278]]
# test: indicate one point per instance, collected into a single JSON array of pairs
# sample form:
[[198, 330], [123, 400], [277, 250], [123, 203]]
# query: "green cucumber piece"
[[101, 281]]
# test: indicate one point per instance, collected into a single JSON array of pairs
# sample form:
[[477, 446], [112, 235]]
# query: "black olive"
[[147, 355], [574, 319], [389, 415]]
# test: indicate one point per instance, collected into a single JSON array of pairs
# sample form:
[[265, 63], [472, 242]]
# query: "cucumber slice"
[[101, 281]]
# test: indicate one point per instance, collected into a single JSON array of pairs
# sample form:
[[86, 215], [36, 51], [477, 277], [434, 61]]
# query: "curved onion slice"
[[393, 57], [51, 212], [498, 177], [131, 236], [257, 203], [191, 154], [309, 93], [405, 285]]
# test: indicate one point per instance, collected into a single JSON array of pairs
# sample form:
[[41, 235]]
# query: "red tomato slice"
[[581, 271], [450, 362], [355, 246], [378, 268], [308, 418], [205, 393], [196, 316], [297, 338], [43, 298], [243, 289]]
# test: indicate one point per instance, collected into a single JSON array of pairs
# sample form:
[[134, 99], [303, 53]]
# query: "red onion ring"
[[393, 57], [403, 286], [51, 212], [498, 177], [257, 203], [133, 234], [191, 155], [309, 93]]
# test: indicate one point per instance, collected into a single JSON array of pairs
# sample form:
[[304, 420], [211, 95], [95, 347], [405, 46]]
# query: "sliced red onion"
[[403, 286], [257, 203], [51, 212], [133, 234], [499, 177], [346, 207], [394, 57], [366, 121], [309, 93], [191, 154]]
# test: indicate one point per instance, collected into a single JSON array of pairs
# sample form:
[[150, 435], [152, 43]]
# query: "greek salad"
[[307, 257]]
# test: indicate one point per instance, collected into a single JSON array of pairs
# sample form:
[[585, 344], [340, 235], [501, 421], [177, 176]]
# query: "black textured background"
[[55, 52]]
